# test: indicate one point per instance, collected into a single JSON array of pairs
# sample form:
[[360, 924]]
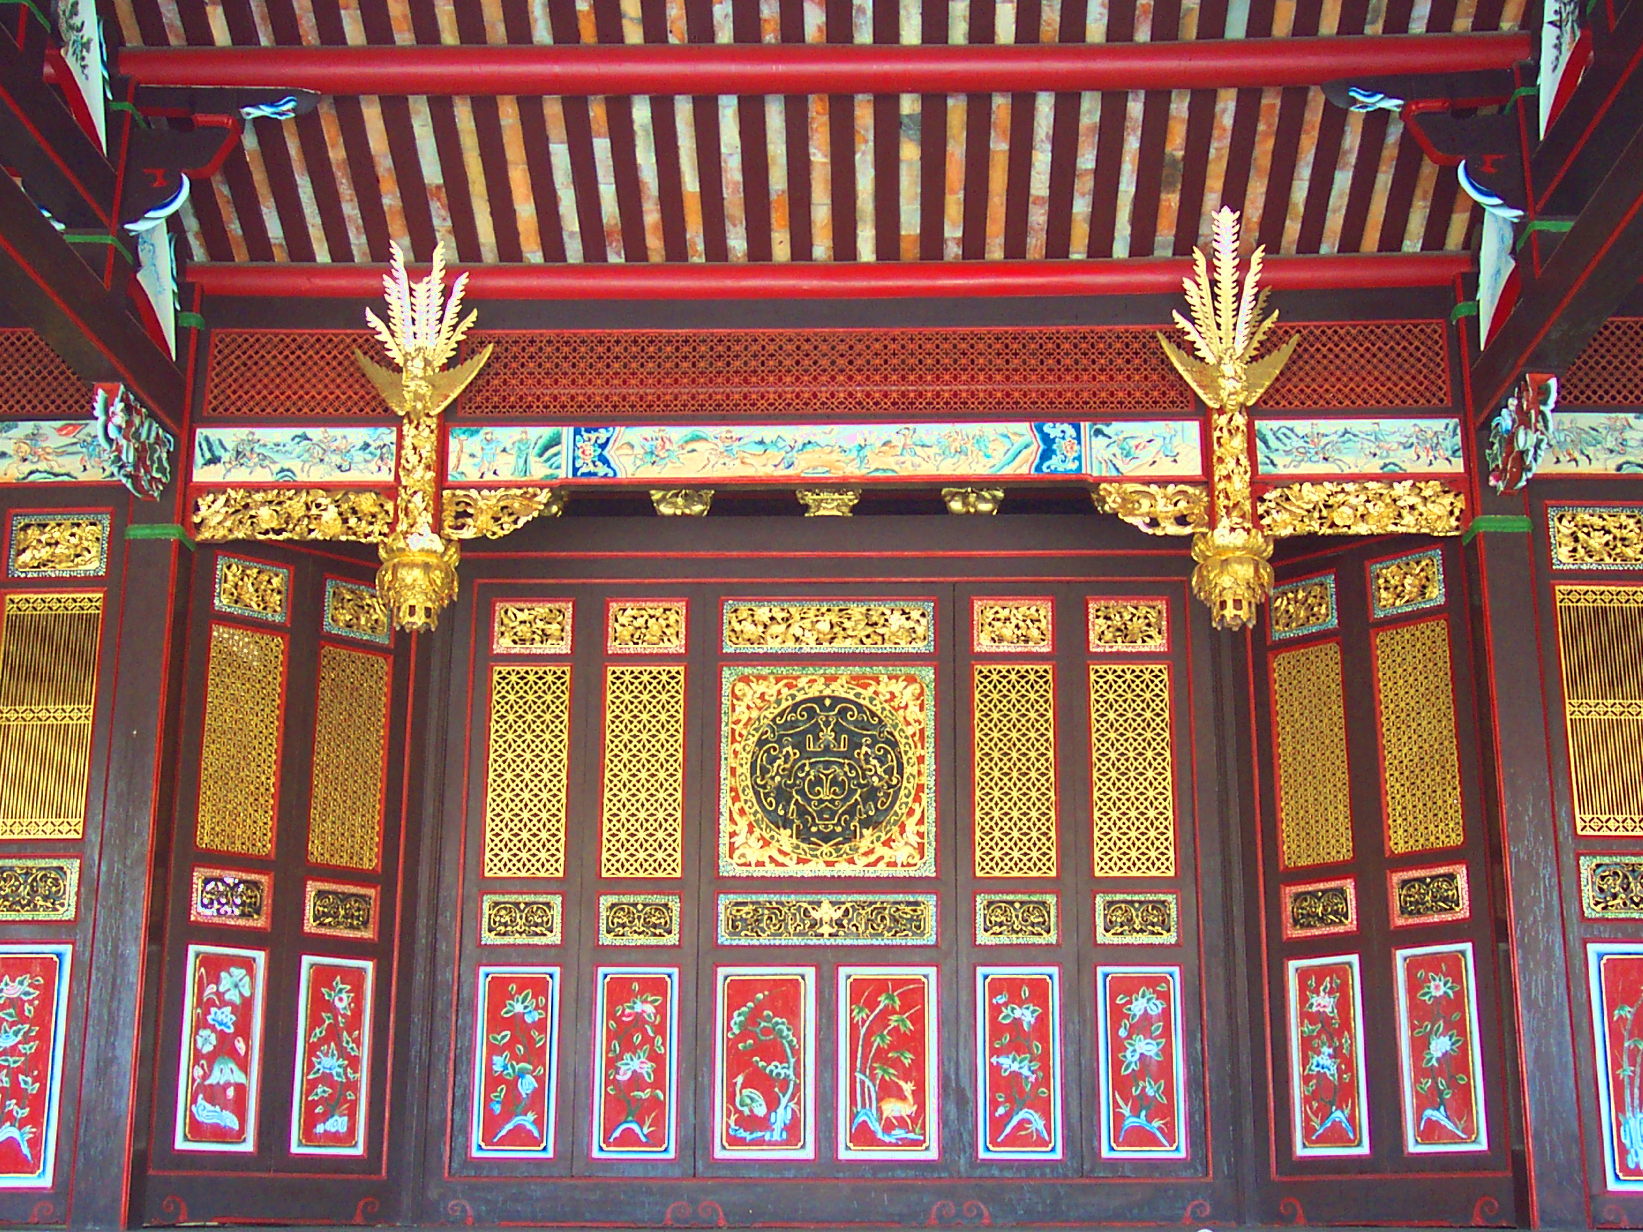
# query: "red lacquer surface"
[[1141, 1062], [514, 1074], [764, 1073], [1020, 1063], [332, 1057], [1443, 1095], [1325, 1056], [29, 992], [886, 1067], [634, 1112], [222, 1024]]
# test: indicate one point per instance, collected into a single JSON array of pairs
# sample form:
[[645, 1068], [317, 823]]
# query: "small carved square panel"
[[1434, 895], [1137, 918], [1135, 625], [1012, 626], [1302, 607], [353, 610], [532, 626], [645, 626], [824, 626], [1320, 909], [1406, 584], [39, 888], [235, 898], [1611, 886], [1018, 918], [521, 919], [57, 545], [338, 909], [1596, 536], [252, 589], [640, 919]]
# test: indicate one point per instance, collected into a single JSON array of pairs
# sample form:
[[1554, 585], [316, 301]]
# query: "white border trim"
[[1110, 1150], [362, 1108], [45, 1175], [1596, 952], [253, 1062], [600, 978]]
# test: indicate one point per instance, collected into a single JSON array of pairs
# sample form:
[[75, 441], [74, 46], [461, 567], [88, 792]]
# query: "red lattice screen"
[[1037, 373], [37, 383], [1609, 372]]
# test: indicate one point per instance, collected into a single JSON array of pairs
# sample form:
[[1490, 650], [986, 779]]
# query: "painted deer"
[[892, 1108]]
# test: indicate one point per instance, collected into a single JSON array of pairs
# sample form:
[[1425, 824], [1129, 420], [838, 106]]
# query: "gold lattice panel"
[[1600, 646], [350, 759], [1132, 770], [526, 770], [642, 820], [1309, 736], [1417, 717], [48, 684], [240, 744], [1015, 770]]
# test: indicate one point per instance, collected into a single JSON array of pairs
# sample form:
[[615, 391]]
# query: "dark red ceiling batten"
[[819, 68]]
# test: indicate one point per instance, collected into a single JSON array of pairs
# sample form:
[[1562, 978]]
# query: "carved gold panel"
[[645, 626], [353, 610], [532, 626], [1421, 761], [526, 770], [827, 919], [234, 898], [1600, 648], [240, 744], [38, 888], [640, 919], [1406, 584], [58, 545], [1132, 770], [1611, 886], [829, 625], [1137, 918], [1127, 625], [252, 588], [827, 772], [350, 759], [1596, 536], [1319, 908], [1434, 895], [1302, 607], [48, 686], [521, 919], [337, 909], [1018, 919], [1014, 764], [641, 828], [1309, 756], [1012, 625]]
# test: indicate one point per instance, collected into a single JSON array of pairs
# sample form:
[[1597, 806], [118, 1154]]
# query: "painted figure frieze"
[[1141, 1068], [33, 1004], [635, 1101], [317, 455], [219, 1072], [888, 1072], [1018, 1063], [764, 1063], [1295, 447], [330, 1081], [516, 1063]]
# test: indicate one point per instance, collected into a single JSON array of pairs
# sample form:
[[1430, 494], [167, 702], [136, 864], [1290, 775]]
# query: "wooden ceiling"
[[888, 177]]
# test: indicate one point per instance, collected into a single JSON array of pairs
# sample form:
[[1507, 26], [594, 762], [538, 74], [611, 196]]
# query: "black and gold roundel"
[[826, 774]]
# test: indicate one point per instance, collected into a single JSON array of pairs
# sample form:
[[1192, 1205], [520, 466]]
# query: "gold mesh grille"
[[240, 745], [1600, 645], [350, 735], [1417, 715], [1015, 770], [48, 683], [526, 768], [1309, 726], [642, 827], [1132, 770]]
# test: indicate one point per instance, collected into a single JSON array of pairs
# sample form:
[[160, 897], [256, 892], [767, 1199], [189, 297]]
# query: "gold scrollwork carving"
[[1405, 584], [1611, 887], [39, 888], [827, 919], [355, 611], [339, 910], [521, 919], [1137, 919], [1366, 507], [234, 898], [639, 919], [682, 502], [221, 514], [1127, 624], [1596, 537], [1423, 894], [540, 626], [490, 513], [828, 502], [829, 625], [973, 500], [1157, 508], [59, 545], [1320, 908], [1018, 919]]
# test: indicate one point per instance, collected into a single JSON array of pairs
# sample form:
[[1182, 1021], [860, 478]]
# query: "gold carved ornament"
[[45, 545], [973, 500], [1157, 508], [490, 513], [682, 502], [828, 502], [309, 513]]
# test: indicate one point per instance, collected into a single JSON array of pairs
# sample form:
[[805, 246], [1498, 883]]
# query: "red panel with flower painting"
[[888, 1105], [1442, 1077], [33, 996], [220, 1068], [515, 1070], [634, 1111], [1141, 1067], [333, 1063], [1330, 1114], [1018, 1062]]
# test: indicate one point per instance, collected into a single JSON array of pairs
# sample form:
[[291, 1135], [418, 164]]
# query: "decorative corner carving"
[[973, 500], [828, 502], [1157, 508], [1371, 507], [682, 502], [222, 514], [490, 513]]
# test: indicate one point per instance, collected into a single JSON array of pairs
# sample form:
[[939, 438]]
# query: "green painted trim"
[[108, 241], [1522, 92], [190, 320], [1554, 226], [30, 6], [1466, 308], [1493, 523], [161, 530]]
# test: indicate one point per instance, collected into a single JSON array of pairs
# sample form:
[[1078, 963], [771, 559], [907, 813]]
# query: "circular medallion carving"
[[827, 776]]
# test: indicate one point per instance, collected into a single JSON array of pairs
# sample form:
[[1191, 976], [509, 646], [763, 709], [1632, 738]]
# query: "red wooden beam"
[[819, 68], [805, 280]]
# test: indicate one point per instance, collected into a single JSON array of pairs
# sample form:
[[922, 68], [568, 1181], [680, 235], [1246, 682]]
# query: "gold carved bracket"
[[490, 513], [1157, 508], [973, 500], [828, 502]]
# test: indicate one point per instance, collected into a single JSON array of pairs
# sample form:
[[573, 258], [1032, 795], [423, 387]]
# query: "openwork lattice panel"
[[642, 819], [1366, 365], [526, 770], [1600, 645], [1609, 372], [1132, 770], [1015, 770], [290, 372], [1417, 719], [37, 382], [350, 759], [240, 744], [48, 684], [1309, 754]]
